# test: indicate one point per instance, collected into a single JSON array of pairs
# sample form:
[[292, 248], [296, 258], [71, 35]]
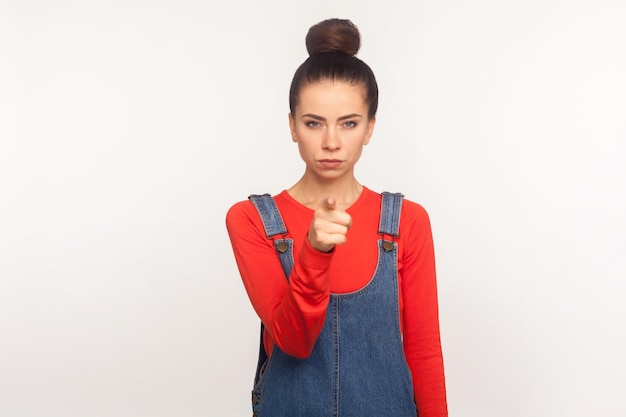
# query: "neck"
[[310, 190]]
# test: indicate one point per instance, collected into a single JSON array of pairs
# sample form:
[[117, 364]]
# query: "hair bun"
[[333, 35]]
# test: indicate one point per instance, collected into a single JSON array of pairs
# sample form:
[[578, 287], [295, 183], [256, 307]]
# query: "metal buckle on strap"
[[281, 244], [388, 244]]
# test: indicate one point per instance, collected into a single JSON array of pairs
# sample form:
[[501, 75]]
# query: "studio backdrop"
[[128, 128]]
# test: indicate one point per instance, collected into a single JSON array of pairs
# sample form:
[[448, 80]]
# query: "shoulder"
[[244, 209], [242, 218], [240, 210], [411, 211], [412, 216], [244, 215], [414, 211], [414, 223]]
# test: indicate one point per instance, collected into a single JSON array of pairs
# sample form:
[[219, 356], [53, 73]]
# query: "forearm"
[[298, 317], [293, 310]]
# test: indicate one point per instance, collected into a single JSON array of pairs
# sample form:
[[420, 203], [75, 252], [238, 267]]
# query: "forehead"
[[332, 96]]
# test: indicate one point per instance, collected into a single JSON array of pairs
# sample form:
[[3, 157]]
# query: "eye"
[[313, 123], [349, 124]]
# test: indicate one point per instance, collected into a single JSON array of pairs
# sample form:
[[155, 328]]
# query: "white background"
[[127, 129]]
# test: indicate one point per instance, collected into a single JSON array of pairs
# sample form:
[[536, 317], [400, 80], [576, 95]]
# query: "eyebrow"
[[316, 117]]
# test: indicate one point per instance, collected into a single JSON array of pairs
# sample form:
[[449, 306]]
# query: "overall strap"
[[272, 220], [390, 218], [390, 214], [274, 226]]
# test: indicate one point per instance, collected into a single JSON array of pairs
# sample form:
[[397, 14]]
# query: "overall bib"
[[357, 367]]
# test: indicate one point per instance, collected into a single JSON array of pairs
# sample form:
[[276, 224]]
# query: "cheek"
[[359, 137], [304, 150], [356, 148]]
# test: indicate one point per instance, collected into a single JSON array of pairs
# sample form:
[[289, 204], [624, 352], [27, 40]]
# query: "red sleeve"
[[292, 311], [420, 313]]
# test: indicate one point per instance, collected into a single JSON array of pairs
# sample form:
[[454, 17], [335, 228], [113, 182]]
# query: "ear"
[[292, 127], [370, 130]]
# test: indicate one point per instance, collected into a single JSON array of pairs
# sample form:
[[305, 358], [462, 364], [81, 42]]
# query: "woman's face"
[[331, 126]]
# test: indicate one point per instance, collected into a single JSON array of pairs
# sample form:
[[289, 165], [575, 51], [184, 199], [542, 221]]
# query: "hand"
[[330, 226]]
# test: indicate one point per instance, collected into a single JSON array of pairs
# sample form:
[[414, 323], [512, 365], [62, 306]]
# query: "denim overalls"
[[357, 367]]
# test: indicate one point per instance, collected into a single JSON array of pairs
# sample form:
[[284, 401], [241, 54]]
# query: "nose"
[[331, 139]]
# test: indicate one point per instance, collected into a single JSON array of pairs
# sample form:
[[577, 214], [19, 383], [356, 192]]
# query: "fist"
[[330, 226]]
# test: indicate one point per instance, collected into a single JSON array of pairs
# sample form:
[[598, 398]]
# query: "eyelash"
[[314, 124]]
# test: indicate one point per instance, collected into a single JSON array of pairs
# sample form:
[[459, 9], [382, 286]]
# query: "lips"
[[330, 163]]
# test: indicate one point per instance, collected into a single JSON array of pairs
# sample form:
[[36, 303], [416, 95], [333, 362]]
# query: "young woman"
[[342, 277]]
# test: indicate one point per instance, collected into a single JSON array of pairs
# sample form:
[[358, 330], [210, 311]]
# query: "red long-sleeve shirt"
[[293, 312]]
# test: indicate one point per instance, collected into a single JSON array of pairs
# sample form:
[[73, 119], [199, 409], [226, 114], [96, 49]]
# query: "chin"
[[331, 174]]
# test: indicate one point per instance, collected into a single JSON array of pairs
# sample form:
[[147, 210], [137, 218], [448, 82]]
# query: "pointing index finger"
[[329, 203]]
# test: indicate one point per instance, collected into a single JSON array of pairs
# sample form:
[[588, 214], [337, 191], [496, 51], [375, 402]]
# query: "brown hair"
[[332, 45]]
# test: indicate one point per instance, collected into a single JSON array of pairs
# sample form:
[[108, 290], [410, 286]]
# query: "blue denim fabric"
[[357, 367]]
